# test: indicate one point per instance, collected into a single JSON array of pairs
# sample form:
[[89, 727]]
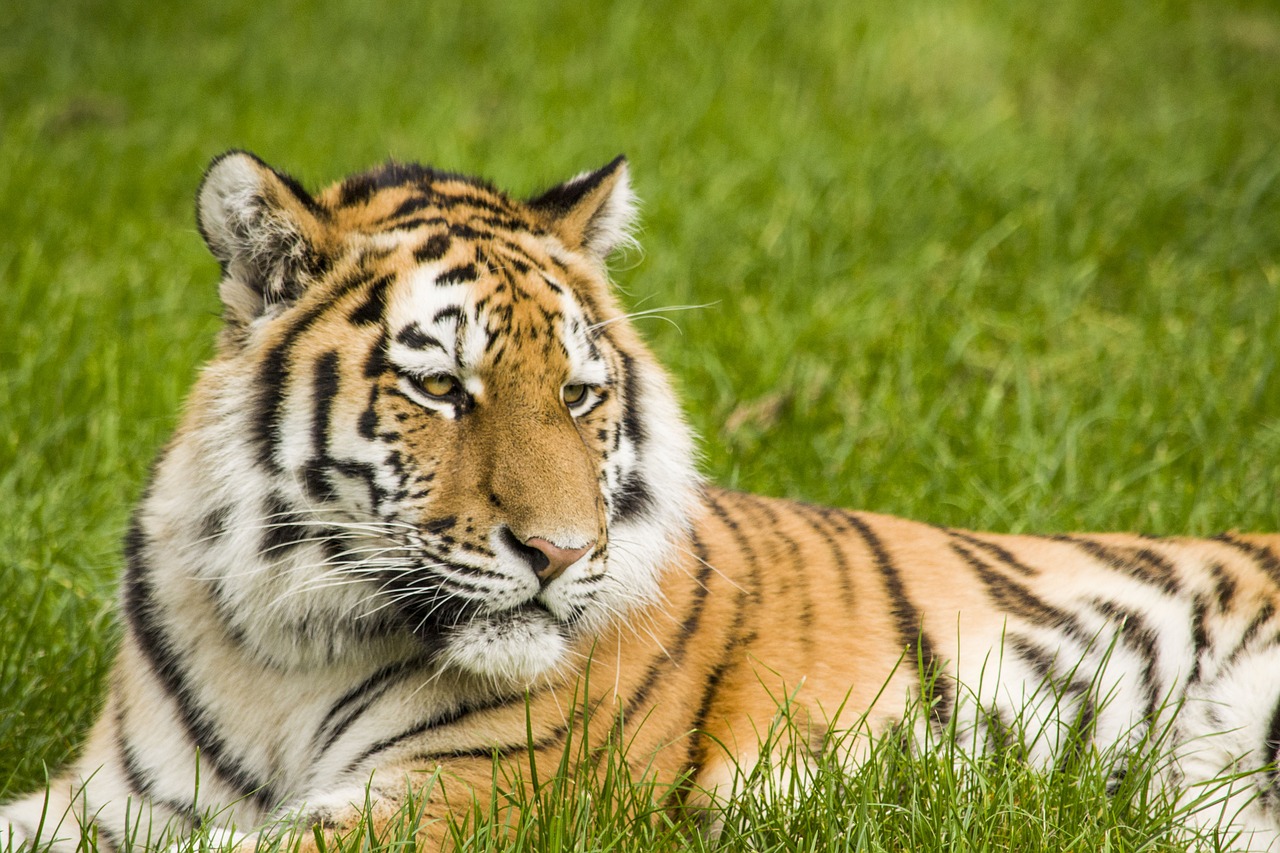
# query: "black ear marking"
[[562, 198], [594, 211]]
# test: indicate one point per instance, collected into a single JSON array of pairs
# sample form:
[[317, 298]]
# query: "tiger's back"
[[1121, 632], [434, 494]]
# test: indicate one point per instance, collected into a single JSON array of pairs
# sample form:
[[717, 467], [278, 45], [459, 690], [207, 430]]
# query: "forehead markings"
[[456, 312], [426, 318], [413, 337], [432, 249], [370, 310], [439, 321]]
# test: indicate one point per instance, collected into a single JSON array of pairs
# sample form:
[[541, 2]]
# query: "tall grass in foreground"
[[916, 786], [987, 263]]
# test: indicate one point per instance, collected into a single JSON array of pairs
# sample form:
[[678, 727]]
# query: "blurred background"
[[987, 263]]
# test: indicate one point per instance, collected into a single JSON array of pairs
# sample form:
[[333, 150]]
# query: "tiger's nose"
[[552, 558]]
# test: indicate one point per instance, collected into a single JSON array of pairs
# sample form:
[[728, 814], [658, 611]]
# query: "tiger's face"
[[470, 441]]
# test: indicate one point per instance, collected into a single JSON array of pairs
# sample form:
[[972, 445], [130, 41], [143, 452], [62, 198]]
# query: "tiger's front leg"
[[432, 805]]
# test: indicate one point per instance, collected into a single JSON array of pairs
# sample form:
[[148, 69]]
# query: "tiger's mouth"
[[539, 606], [510, 638], [510, 648], [444, 608]]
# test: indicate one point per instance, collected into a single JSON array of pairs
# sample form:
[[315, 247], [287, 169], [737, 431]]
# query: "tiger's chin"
[[511, 649]]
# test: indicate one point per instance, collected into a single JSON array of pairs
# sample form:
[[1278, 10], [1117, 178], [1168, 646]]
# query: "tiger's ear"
[[265, 230], [593, 212]]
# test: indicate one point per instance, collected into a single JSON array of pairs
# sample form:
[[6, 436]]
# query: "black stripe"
[[360, 188], [812, 516], [395, 740], [694, 757], [432, 249], [326, 385], [1043, 661], [910, 622], [1261, 618], [447, 718], [453, 312], [1271, 745], [374, 366], [1260, 554], [731, 653], [673, 657], [412, 204], [633, 498], [413, 337], [689, 625], [415, 223], [214, 524], [1142, 564], [326, 380], [520, 265], [554, 738], [449, 198], [796, 573], [461, 274], [1224, 586], [1199, 636], [729, 656], [994, 550], [369, 312], [501, 223], [367, 426], [440, 525], [140, 780], [1139, 636], [492, 338], [316, 481], [158, 649], [1013, 597], [676, 652], [744, 545], [107, 841], [352, 704], [285, 528], [376, 363], [464, 231], [273, 376], [907, 617], [1034, 655], [632, 416]]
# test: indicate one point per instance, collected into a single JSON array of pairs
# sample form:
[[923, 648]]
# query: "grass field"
[[991, 264]]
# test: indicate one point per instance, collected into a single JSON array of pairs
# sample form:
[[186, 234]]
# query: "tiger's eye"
[[440, 385], [574, 394]]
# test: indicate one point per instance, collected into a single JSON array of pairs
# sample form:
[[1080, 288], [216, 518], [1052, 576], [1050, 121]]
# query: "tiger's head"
[[427, 416]]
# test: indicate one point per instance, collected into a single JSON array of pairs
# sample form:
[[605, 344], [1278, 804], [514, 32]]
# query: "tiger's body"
[[433, 476]]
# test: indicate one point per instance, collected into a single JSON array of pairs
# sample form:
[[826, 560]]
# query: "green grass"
[[992, 264]]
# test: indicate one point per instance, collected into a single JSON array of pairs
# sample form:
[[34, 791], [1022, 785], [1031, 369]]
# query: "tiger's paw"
[[215, 839]]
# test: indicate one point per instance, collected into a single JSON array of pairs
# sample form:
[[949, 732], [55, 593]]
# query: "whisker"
[[651, 312], [680, 549]]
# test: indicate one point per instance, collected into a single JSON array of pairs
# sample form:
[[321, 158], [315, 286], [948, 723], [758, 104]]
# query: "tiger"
[[433, 494]]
